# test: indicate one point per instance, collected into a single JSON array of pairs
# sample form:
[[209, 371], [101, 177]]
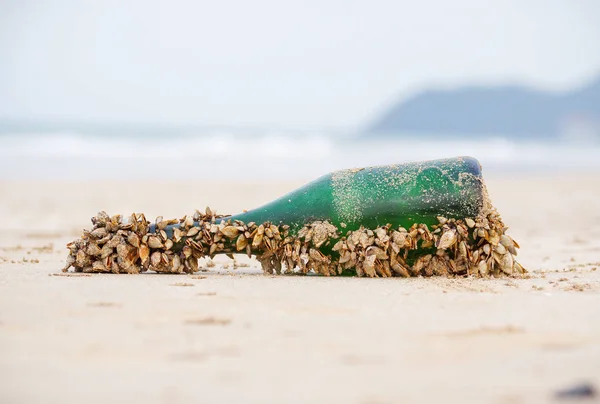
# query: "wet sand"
[[231, 334]]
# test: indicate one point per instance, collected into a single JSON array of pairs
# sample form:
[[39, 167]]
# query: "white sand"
[[243, 337]]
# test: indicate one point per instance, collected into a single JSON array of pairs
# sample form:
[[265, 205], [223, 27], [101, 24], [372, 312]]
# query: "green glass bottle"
[[426, 218], [400, 194]]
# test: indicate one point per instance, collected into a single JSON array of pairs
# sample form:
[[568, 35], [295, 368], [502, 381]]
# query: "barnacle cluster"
[[453, 247]]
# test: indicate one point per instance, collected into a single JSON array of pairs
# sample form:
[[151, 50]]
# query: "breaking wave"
[[268, 156]]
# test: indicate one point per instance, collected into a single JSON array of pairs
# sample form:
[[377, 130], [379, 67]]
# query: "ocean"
[[266, 155]]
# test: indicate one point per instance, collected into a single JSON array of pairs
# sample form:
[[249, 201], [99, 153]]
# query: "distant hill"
[[510, 111]]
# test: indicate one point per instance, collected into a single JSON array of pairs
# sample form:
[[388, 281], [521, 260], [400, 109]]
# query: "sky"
[[293, 64]]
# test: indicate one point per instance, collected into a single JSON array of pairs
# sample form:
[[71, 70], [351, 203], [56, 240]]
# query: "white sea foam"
[[268, 156]]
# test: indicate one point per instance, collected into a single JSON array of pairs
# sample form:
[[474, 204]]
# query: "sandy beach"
[[230, 335]]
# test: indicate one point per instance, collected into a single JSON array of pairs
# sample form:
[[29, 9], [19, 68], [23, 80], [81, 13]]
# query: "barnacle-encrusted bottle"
[[425, 218]]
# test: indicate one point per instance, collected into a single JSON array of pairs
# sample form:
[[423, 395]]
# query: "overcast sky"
[[323, 63]]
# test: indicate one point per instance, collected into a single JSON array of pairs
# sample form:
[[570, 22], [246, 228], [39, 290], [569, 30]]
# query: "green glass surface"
[[401, 195]]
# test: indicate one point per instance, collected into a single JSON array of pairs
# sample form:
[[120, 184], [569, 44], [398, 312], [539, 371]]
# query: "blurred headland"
[[513, 112]]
